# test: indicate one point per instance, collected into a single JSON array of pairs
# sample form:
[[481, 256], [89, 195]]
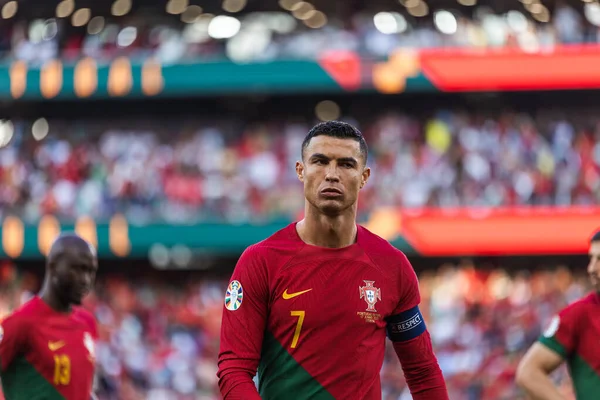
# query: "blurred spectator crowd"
[[185, 171], [277, 34], [159, 339]]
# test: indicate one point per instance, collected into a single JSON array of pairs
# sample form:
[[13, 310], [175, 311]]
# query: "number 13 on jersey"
[[62, 370], [300, 315]]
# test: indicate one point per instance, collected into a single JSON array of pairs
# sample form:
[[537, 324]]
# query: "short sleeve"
[[561, 334], [13, 339], [244, 315], [406, 322], [408, 286]]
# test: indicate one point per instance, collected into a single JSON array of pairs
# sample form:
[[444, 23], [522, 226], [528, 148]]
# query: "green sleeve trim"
[[554, 345]]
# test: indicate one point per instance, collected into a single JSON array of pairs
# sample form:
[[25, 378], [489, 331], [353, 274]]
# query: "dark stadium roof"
[[30, 9]]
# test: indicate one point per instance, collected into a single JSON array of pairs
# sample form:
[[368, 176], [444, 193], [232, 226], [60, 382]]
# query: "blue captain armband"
[[405, 326]]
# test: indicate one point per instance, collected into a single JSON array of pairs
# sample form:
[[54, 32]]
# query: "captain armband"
[[405, 326]]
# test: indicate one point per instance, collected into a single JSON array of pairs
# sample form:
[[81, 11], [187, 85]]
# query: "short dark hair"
[[337, 129], [595, 237]]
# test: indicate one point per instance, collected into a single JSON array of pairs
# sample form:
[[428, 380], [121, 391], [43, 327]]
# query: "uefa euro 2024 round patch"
[[234, 296]]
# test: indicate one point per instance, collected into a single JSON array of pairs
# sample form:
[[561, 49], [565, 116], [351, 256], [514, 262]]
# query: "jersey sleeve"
[[13, 339], [243, 325], [561, 334], [406, 321]]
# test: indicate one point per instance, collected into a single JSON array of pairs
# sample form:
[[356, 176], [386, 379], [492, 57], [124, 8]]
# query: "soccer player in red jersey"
[[47, 345], [310, 306], [572, 336]]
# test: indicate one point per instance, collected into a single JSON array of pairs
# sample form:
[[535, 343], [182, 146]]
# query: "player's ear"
[[365, 176], [300, 170]]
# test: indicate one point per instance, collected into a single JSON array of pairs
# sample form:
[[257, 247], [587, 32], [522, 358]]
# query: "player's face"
[[74, 275], [333, 172], [594, 265]]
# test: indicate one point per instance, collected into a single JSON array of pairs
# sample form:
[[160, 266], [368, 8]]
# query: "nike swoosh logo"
[[287, 296], [53, 346]]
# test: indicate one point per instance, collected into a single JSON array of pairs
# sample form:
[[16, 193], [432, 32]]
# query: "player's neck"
[[324, 231], [53, 301]]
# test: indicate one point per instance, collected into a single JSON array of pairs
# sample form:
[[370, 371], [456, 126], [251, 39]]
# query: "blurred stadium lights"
[[81, 17], [48, 231], [13, 236], [177, 7], [420, 10], [152, 78], [7, 130], [40, 129], [36, 31], [535, 8], [159, 256], [288, 4], [127, 36], [181, 256], [223, 27], [18, 78], [65, 8], [9, 9], [40, 30], [327, 110], [85, 77], [301, 10], [120, 79], [542, 16], [50, 29], [410, 3], [317, 20], [390, 22], [249, 43], [516, 21], [234, 6], [198, 31], [118, 236], [86, 228], [445, 22], [592, 13], [120, 7], [51, 78], [96, 25], [191, 14]]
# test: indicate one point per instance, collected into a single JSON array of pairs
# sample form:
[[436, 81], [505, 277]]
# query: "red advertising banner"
[[565, 67], [500, 231]]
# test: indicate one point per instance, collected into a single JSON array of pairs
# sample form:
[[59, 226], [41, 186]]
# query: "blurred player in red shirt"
[[310, 307], [572, 336], [47, 345]]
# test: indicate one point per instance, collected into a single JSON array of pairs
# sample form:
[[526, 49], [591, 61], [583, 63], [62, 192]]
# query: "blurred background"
[[166, 131]]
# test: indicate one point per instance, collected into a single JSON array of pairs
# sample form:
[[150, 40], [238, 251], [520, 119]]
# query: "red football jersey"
[[312, 320], [573, 334], [47, 355]]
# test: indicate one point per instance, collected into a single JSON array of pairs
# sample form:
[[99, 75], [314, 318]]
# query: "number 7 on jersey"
[[300, 315]]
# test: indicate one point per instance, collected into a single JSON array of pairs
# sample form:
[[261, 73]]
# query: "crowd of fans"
[[278, 34], [192, 170], [159, 339]]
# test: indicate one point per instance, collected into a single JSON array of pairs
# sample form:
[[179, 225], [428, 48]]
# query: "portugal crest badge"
[[371, 294]]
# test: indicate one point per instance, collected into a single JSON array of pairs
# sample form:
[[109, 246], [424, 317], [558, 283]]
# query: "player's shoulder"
[[587, 303], [284, 240], [31, 310], [377, 247], [83, 314], [87, 319]]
